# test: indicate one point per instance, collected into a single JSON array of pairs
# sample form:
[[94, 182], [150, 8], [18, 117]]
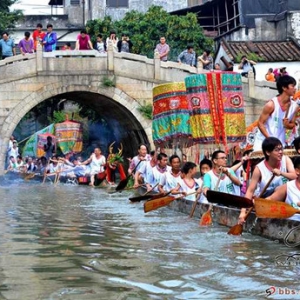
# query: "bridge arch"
[[104, 100]]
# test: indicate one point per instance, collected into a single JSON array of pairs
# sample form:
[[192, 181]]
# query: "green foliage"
[[146, 29], [58, 117], [7, 18], [108, 82], [146, 111], [116, 158]]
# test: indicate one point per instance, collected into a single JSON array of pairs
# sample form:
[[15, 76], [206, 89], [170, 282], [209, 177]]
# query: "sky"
[[34, 7]]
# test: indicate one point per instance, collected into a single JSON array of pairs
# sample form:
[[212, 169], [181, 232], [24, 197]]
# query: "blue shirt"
[[6, 47]]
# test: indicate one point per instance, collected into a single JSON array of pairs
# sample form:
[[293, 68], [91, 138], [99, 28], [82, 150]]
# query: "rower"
[[189, 184], [170, 179], [205, 167], [274, 163], [97, 163], [290, 192], [273, 120], [227, 176], [157, 172], [142, 156]]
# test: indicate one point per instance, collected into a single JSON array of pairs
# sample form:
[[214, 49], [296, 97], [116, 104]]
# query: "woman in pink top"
[[83, 41]]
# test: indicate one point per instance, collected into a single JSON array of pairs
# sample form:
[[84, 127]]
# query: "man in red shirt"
[[38, 35], [83, 41]]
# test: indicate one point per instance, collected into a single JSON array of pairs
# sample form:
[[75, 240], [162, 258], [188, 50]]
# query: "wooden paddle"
[[265, 208], [206, 218], [195, 204], [161, 202], [149, 197], [238, 228], [228, 199], [123, 183]]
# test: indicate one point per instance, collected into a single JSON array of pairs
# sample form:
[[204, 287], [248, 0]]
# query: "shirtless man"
[[273, 120]]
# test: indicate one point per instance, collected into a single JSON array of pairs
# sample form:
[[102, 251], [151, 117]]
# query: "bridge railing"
[[123, 64]]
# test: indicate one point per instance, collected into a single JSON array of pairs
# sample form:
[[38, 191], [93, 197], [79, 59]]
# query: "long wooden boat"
[[84, 180], [283, 230]]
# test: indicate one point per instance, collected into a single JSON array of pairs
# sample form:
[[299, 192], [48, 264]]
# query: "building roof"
[[268, 51]]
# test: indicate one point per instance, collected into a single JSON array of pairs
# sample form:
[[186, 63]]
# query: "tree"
[[7, 17], [146, 29]]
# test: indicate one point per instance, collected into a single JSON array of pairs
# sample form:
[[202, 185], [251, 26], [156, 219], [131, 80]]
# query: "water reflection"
[[66, 242]]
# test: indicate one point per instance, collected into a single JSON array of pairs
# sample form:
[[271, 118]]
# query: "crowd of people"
[[164, 174], [274, 75], [48, 40], [70, 166]]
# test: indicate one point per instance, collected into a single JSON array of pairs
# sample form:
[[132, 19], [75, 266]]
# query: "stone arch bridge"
[[26, 81]]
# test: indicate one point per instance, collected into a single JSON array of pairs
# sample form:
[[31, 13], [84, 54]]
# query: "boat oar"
[[206, 218], [123, 183], [228, 199], [195, 204], [238, 228], [161, 202], [265, 208], [149, 197]]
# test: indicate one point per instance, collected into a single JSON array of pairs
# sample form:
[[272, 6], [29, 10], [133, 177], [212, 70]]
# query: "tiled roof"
[[268, 51]]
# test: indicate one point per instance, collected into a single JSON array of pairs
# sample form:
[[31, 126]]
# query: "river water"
[[76, 242]]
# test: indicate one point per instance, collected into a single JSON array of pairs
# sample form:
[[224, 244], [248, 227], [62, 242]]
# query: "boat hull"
[[282, 230]]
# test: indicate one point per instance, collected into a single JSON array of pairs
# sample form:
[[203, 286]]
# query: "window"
[[75, 2], [117, 3]]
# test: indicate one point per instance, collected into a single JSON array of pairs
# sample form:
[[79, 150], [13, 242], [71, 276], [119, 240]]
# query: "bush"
[[146, 29]]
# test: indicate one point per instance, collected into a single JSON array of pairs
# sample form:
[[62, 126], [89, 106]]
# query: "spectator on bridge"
[[83, 41], [7, 46], [270, 75], [188, 56], [280, 72], [125, 44], [113, 39], [206, 60], [50, 39], [26, 45], [38, 36], [100, 45], [66, 46], [217, 67], [163, 49], [247, 65]]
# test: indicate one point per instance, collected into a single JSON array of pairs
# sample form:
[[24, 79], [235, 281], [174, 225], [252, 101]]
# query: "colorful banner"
[[170, 113], [69, 136], [31, 146], [216, 106]]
